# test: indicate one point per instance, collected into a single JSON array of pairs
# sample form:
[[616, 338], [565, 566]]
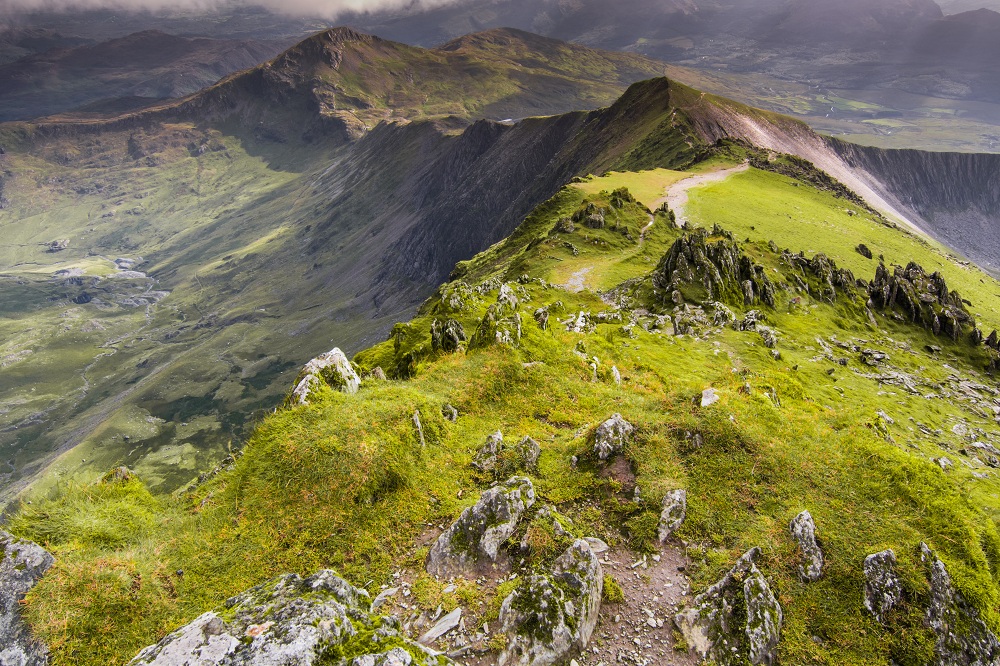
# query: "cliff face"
[[954, 195]]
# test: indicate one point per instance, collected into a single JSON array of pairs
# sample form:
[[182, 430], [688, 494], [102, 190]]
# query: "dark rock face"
[[703, 266], [290, 621], [823, 280], [447, 336], [737, 620], [476, 537], [22, 563], [923, 298], [962, 637]]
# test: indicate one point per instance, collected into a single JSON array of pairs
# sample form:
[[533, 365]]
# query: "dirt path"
[[677, 194], [576, 281]]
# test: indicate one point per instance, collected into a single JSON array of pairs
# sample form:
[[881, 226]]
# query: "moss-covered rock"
[[22, 563], [611, 436], [331, 369], [290, 621], [502, 323], [803, 530], [500, 459], [923, 298], [882, 587], [737, 620], [552, 615]]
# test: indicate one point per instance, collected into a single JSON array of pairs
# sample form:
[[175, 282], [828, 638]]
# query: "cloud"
[[317, 8]]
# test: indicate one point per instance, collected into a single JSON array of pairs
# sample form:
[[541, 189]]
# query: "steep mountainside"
[[150, 65]]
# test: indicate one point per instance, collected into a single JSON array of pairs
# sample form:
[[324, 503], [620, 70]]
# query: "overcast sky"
[[325, 8]]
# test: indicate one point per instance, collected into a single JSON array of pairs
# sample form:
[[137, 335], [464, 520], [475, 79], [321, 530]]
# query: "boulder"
[[611, 436], [331, 369], [737, 620], [709, 397], [474, 540], [290, 621], [22, 564], [551, 616], [673, 513], [502, 323], [500, 458], [803, 530], [447, 336], [863, 250], [882, 588], [961, 635]]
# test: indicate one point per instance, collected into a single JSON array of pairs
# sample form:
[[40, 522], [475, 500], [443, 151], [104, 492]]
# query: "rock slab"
[[672, 514], [22, 564], [882, 587], [803, 530], [333, 369]]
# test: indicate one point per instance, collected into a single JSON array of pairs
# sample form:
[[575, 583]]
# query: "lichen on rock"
[[475, 539], [611, 436], [497, 457], [290, 621], [22, 564], [674, 510], [552, 615], [882, 587], [737, 620], [331, 369], [501, 325], [803, 530]]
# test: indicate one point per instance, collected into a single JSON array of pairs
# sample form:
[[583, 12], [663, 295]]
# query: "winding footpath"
[[677, 194]]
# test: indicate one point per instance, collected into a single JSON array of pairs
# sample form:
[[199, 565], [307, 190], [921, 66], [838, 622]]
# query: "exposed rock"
[[378, 374], [863, 250], [565, 225], [497, 456], [962, 638], [332, 369], [611, 436], [290, 621], [803, 530], [474, 540], [882, 588], [447, 336], [750, 321], [419, 428], [709, 397], [673, 513], [616, 376], [542, 318], [820, 276], [689, 320], [442, 627], [590, 216], [925, 299], [701, 270], [737, 620], [502, 323], [552, 616], [22, 564], [768, 336], [721, 315], [449, 413], [873, 358]]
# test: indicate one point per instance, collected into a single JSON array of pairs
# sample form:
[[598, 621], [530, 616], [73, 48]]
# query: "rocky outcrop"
[[474, 540], [291, 621], [502, 323], [672, 514], [331, 369], [962, 638], [551, 616], [882, 588], [447, 336], [737, 620], [803, 530], [22, 564], [611, 436], [923, 298], [819, 277], [502, 459], [704, 266]]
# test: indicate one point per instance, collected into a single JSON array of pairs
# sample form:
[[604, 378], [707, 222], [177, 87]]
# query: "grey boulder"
[[882, 588], [290, 621], [673, 513], [495, 455], [611, 436], [803, 530], [737, 620], [502, 323], [22, 564], [474, 540], [332, 369], [552, 616]]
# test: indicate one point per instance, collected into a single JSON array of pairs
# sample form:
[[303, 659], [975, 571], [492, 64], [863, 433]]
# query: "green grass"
[[344, 482]]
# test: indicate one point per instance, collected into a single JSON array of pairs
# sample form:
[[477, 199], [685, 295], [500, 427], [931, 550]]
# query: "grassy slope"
[[344, 483]]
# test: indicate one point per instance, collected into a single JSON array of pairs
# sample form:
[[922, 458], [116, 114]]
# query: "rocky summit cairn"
[[803, 530], [705, 266], [737, 620], [332, 369], [22, 563], [924, 298], [502, 323], [882, 588], [673, 513], [961, 635], [497, 457], [291, 621], [474, 540], [611, 436], [552, 616]]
